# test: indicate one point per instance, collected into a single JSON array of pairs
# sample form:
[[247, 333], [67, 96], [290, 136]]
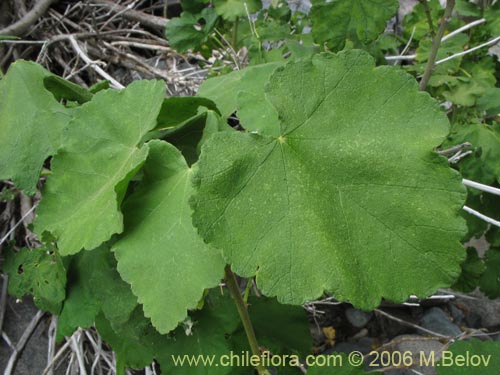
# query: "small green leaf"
[[193, 6], [101, 153], [99, 86], [81, 305], [9, 37], [232, 9], [472, 269], [63, 89], [186, 32], [492, 15], [31, 124], [361, 21], [490, 101], [160, 246], [490, 280], [467, 9], [481, 165], [39, 272], [447, 48], [493, 236], [344, 196], [135, 341], [475, 226], [114, 294], [467, 89]]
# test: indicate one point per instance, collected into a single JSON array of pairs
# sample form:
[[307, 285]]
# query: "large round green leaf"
[[350, 197]]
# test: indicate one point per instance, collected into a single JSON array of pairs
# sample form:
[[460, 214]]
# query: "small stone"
[[357, 318], [436, 320], [457, 314], [416, 345], [473, 320], [364, 345], [487, 309]]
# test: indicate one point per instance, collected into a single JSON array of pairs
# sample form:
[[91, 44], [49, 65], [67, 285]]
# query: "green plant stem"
[[243, 312], [120, 367], [429, 17], [436, 43], [247, 291], [235, 32]]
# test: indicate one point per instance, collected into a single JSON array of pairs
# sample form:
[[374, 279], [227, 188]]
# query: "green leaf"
[[160, 246], [493, 236], [472, 357], [81, 305], [253, 109], [190, 136], [480, 77], [39, 272], [490, 280], [481, 165], [217, 330], [472, 269], [467, 9], [280, 329], [361, 21], [492, 15], [94, 284], [194, 6], [447, 48], [176, 111], [114, 295], [186, 32], [31, 124], [417, 20], [232, 9], [349, 191], [135, 341], [205, 333], [225, 92], [63, 89], [221, 90], [490, 101], [101, 152], [99, 86], [476, 227]]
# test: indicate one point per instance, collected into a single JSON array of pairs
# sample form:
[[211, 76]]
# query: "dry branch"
[[22, 26], [144, 19]]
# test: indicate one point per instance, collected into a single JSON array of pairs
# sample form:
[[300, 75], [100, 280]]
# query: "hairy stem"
[[436, 43], [243, 312]]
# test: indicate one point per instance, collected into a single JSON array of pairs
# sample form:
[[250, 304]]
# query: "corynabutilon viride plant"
[[333, 185]]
